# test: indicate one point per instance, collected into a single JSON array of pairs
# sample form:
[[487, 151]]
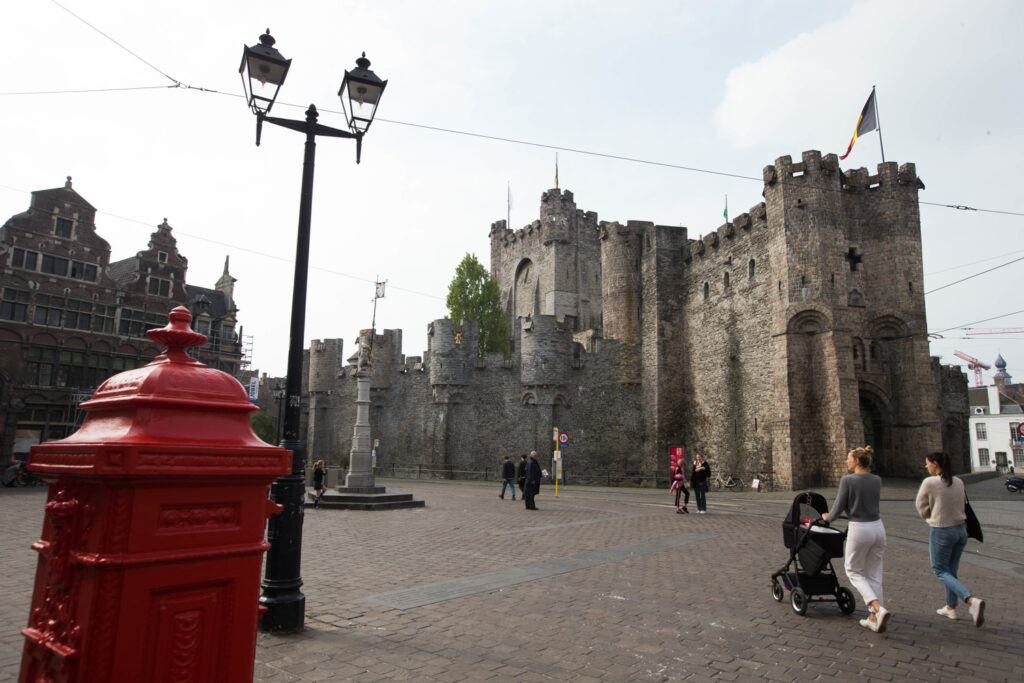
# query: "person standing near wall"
[[319, 485], [679, 486], [699, 476], [532, 487], [508, 478]]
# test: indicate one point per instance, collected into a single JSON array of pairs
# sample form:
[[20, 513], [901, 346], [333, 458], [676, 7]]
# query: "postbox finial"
[[177, 336]]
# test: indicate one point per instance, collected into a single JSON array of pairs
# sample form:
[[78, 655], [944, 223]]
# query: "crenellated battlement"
[[824, 172], [726, 235]]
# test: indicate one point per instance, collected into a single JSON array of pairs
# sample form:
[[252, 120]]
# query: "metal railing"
[[741, 481]]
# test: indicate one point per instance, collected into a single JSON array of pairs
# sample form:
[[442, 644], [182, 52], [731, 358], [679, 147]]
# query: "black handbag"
[[973, 525]]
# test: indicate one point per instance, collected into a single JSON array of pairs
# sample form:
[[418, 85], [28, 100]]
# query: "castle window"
[[832, 279], [62, 228], [725, 280], [803, 279], [853, 258], [910, 286], [707, 291], [750, 269]]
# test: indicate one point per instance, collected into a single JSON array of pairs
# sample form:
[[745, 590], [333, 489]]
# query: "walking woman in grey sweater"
[[941, 501], [859, 495]]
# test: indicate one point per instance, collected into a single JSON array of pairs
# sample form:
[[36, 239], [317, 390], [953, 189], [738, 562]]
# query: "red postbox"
[[149, 562]]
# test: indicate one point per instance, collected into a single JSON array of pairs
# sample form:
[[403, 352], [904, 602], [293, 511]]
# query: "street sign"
[[1020, 430], [563, 439], [555, 435]]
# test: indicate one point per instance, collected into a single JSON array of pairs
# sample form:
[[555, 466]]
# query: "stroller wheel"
[[799, 601], [846, 602], [777, 591]]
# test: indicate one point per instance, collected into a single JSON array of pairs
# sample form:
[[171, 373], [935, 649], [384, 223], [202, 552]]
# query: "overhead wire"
[[176, 83]]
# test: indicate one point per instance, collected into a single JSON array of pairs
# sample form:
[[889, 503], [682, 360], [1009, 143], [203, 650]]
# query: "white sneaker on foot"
[[977, 610], [947, 612], [882, 619]]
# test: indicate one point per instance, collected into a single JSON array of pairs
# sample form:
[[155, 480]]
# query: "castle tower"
[[850, 339], [620, 282]]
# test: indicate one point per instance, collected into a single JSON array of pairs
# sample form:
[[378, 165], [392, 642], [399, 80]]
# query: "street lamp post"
[[279, 398], [263, 71]]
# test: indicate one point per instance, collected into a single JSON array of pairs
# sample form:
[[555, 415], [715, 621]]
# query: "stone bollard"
[[153, 539]]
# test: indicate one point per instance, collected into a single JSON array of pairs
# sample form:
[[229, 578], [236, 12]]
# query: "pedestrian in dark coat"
[[319, 486], [508, 473], [532, 487]]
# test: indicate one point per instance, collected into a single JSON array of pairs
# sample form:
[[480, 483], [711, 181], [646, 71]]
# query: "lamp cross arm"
[[305, 127]]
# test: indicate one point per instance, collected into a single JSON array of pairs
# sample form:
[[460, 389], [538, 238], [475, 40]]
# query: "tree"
[[264, 426], [473, 295]]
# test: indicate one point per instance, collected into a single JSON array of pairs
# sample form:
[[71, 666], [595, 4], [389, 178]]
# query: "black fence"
[[736, 481]]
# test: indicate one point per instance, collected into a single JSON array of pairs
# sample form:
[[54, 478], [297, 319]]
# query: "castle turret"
[[451, 350], [620, 280], [546, 348]]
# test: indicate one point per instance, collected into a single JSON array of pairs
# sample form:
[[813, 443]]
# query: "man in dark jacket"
[[521, 473], [508, 473], [532, 487]]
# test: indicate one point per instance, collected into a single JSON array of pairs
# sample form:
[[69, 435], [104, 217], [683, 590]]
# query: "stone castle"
[[772, 345]]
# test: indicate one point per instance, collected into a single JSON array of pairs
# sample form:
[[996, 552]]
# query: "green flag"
[[725, 214]]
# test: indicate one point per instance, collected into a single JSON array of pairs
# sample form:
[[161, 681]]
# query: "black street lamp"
[[278, 393], [263, 71]]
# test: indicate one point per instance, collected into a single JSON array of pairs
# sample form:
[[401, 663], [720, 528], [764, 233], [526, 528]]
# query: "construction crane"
[[974, 364]]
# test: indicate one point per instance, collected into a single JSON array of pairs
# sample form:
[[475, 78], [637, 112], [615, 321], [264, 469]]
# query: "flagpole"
[[878, 122], [508, 204]]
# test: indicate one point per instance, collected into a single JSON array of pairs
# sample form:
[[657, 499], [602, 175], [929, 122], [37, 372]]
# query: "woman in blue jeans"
[[941, 501]]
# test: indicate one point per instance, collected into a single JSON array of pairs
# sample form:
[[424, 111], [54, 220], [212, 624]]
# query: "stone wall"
[[772, 344]]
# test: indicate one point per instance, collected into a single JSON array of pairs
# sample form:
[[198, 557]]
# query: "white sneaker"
[[881, 619], [977, 610], [947, 612]]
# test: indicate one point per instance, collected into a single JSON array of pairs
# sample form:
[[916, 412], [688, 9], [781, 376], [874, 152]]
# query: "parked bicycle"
[[729, 481]]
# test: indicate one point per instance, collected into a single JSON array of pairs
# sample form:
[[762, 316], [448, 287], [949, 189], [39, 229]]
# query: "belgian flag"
[[867, 122]]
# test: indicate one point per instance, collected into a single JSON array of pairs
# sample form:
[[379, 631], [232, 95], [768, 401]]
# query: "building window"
[[1018, 456], [63, 228], [23, 258], [161, 256], [39, 366], [83, 271], [103, 319], [707, 291], [134, 323], [1013, 432], [159, 287], [14, 305], [983, 457], [49, 310], [750, 269], [981, 431], [725, 280], [78, 315], [54, 265]]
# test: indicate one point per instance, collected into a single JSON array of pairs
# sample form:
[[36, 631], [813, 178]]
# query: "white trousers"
[[865, 546]]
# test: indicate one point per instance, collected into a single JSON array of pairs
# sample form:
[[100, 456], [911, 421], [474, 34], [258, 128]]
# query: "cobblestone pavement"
[[600, 585]]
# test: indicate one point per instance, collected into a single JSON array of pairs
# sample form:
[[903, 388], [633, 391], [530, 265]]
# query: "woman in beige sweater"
[[941, 501]]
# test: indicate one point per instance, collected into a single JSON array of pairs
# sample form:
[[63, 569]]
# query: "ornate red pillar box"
[[153, 540]]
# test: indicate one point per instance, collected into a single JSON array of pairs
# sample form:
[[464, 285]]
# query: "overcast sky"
[[723, 86]]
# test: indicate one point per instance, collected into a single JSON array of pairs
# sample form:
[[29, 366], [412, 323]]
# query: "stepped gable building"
[[996, 412], [69, 318], [772, 345]]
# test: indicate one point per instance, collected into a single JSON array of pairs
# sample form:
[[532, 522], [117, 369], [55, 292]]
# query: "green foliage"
[[265, 426], [473, 295]]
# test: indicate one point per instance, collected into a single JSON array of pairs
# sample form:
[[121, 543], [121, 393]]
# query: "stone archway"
[[877, 422]]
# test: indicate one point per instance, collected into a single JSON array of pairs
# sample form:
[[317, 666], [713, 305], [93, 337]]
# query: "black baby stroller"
[[812, 545]]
